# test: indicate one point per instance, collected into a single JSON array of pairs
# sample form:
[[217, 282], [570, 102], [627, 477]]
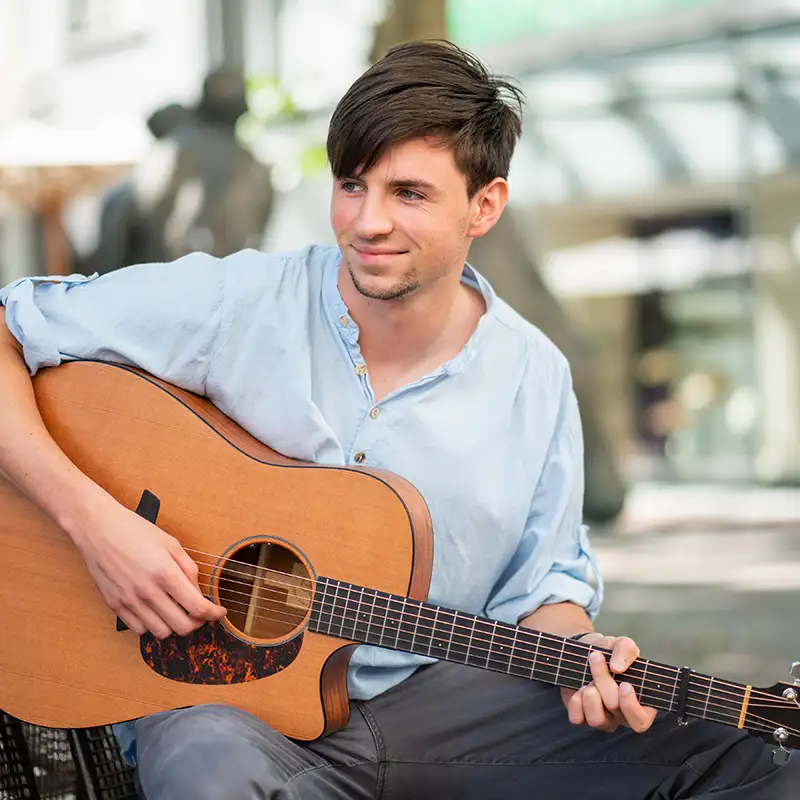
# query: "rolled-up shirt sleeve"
[[554, 561], [162, 318]]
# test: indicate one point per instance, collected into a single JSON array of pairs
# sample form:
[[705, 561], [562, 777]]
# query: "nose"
[[374, 218]]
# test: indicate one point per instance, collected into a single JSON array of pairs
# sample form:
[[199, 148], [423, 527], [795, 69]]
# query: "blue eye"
[[407, 194], [349, 186]]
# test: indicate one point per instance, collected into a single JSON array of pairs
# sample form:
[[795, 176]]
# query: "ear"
[[486, 207]]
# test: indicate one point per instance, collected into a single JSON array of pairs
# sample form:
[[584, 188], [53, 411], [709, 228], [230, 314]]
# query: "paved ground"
[[707, 577]]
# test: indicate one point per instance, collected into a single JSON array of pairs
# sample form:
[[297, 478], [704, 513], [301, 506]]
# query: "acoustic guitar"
[[309, 561]]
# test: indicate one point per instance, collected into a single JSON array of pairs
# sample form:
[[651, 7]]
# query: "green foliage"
[[272, 105]]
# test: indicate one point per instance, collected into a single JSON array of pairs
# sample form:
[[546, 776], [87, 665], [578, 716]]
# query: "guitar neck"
[[371, 617]]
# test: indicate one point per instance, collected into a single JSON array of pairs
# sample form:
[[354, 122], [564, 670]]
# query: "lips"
[[377, 251], [376, 256]]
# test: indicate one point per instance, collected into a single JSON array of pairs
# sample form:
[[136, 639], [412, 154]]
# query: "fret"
[[404, 639], [380, 609], [460, 638], [371, 616], [501, 652], [477, 656], [471, 636], [344, 610], [360, 617], [560, 661], [674, 701], [491, 642], [425, 631], [450, 637], [416, 625], [544, 662], [435, 620], [393, 628], [586, 669], [333, 607], [535, 655], [400, 620], [512, 653], [320, 605], [726, 700], [644, 680], [708, 697]]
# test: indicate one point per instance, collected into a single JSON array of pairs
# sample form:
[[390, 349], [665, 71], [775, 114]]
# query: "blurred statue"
[[197, 189]]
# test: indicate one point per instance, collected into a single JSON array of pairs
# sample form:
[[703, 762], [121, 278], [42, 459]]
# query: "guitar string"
[[672, 673], [697, 695], [638, 672], [714, 711]]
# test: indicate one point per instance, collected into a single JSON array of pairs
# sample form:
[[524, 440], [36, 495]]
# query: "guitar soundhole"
[[267, 590]]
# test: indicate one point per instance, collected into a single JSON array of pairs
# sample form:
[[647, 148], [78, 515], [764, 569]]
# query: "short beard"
[[408, 284]]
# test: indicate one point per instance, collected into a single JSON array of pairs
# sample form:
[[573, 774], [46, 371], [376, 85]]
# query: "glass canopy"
[[720, 110]]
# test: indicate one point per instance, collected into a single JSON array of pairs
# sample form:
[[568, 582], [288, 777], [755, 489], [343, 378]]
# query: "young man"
[[386, 351]]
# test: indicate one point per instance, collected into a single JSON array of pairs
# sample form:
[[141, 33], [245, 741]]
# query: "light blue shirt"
[[492, 438]]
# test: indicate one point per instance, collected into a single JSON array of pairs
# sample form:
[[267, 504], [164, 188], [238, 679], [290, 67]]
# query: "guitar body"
[[241, 511]]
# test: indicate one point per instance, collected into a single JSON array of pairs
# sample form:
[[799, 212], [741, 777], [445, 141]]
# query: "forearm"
[[29, 458], [562, 619]]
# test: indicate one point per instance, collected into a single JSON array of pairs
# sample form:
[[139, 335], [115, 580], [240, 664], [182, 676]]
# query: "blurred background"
[[654, 234]]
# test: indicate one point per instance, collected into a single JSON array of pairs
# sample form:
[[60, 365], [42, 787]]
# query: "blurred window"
[[97, 27]]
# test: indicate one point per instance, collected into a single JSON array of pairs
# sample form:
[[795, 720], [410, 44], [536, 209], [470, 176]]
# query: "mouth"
[[376, 256]]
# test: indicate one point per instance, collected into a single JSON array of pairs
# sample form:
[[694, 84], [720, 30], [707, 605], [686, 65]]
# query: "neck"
[[403, 333], [368, 616]]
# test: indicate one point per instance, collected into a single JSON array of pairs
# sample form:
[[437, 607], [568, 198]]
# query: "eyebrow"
[[412, 183]]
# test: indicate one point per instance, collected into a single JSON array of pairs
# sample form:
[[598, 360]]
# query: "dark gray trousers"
[[454, 732]]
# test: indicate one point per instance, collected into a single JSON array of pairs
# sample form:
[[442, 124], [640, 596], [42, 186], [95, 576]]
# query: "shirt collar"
[[348, 330]]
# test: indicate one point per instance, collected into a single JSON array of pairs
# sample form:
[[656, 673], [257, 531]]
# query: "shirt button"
[[375, 413], [359, 458], [361, 369], [343, 319]]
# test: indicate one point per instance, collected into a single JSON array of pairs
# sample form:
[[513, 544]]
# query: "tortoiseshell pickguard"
[[212, 655]]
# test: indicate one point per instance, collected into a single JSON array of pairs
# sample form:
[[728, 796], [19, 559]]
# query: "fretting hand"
[[604, 704]]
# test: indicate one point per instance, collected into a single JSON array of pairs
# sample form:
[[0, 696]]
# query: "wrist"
[[78, 509]]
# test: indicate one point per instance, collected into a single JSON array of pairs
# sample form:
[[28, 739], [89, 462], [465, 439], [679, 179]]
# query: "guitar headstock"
[[774, 713]]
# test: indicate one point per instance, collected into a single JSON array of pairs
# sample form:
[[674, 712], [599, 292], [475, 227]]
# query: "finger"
[[636, 716], [593, 709], [624, 653], [189, 596], [604, 682], [174, 615], [132, 621], [150, 619], [187, 564], [574, 706]]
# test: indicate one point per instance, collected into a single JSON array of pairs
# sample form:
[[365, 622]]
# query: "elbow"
[[7, 339]]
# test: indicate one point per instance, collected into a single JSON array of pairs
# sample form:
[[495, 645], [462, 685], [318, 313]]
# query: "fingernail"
[[596, 658], [625, 688], [617, 664]]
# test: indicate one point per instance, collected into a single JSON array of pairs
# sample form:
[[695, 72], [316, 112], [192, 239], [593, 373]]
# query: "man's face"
[[403, 225]]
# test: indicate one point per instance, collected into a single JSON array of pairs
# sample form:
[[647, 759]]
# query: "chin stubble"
[[407, 285]]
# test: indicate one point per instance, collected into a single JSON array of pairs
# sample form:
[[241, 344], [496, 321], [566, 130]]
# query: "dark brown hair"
[[428, 89]]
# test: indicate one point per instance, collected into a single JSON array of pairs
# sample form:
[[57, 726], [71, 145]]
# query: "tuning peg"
[[795, 673]]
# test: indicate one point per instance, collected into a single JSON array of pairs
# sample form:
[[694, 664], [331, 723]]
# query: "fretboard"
[[367, 616]]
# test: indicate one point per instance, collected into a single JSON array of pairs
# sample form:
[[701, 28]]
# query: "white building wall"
[[66, 96]]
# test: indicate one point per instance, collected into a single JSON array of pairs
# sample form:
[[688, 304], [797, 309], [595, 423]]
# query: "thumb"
[[189, 568]]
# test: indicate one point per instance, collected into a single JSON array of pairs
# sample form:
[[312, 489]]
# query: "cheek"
[[341, 216]]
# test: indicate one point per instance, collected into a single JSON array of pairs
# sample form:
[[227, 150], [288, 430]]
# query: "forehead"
[[418, 159]]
